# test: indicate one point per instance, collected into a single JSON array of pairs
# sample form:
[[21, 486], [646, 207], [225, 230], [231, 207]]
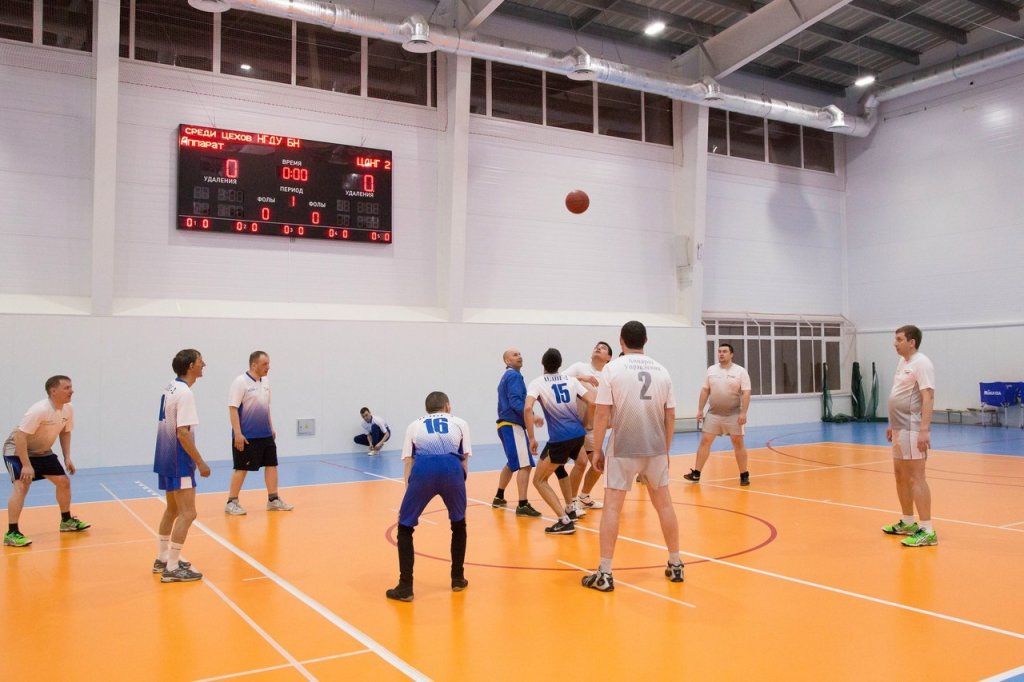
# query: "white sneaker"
[[279, 505], [589, 502], [234, 509], [581, 510], [373, 452]]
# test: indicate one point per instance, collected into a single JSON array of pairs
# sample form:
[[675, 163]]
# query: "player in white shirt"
[[588, 373], [728, 386], [557, 394], [376, 432], [436, 453], [175, 461], [910, 420], [29, 456], [253, 437], [636, 394]]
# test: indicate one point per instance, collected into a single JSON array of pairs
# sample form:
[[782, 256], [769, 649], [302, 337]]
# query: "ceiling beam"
[[472, 13], [905, 15], [861, 39], [1000, 8], [753, 35], [795, 78]]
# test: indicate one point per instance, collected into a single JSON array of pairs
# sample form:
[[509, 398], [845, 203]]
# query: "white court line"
[[293, 662], [1011, 525], [280, 667], [316, 606], [259, 577], [635, 587], [1009, 674]]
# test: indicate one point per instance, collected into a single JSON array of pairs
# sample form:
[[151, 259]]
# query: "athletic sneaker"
[[279, 505], [922, 538], [73, 525], [16, 539], [499, 502], [561, 528], [161, 566], [598, 580], [674, 572], [459, 584], [403, 592], [572, 515], [526, 510], [693, 476], [590, 503], [234, 509], [900, 528], [373, 452], [180, 575], [744, 478], [580, 510]]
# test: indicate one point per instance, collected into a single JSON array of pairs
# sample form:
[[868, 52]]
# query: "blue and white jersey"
[[252, 398], [177, 408], [438, 433], [557, 395]]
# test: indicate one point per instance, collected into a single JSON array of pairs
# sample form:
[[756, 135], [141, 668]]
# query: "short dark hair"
[[435, 402], [183, 360], [552, 360], [255, 356], [606, 345], [634, 335], [364, 410], [729, 346], [54, 381], [911, 333]]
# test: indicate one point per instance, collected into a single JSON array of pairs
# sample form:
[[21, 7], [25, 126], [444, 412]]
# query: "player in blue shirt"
[[435, 451], [512, 432]]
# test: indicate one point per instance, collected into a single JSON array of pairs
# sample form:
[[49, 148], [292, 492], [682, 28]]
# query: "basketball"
[[577, 201]]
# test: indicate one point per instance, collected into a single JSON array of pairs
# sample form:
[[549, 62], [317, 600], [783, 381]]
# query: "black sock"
[[406, 555], [458, 549], [523, 503], [64, 516], [500, 493], [13, 528], [273, 496]]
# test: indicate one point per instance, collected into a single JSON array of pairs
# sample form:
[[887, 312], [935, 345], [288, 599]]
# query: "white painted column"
[[452, 182], [104, 170], [690, 196]]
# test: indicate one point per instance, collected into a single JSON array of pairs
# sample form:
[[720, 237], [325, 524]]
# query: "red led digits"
[[368, 183], [295, 173], [265, 213], [230, 168]]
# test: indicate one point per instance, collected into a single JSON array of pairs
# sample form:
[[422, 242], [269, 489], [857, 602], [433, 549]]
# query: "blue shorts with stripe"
[[516, 445], [434, 475]]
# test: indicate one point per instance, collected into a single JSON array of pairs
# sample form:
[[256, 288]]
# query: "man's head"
[[908, 340], [437, 402], [513, 358], [259, 364], [601, 354], [188, 363], [633, 335], [552, 360], [725, 353], [58, 389], [365, 414]]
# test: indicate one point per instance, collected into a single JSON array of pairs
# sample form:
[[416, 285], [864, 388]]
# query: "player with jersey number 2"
[[635, 394]]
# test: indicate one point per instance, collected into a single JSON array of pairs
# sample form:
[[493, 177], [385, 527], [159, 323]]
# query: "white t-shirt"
[[639, 390], [726, 388], [252, 398], [42, 424], [905, 400], [438, 433], [374, 419]]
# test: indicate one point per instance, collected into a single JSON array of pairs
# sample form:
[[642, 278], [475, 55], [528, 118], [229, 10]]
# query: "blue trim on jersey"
[[511, 397]]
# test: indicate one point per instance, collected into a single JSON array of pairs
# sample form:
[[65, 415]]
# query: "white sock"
[[164, 543], [606, 565], [565, 519], [927, 525], [907, 520], [173, 556], [673, 558]]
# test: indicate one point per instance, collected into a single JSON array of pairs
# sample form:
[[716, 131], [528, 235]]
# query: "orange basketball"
[[577, 201]]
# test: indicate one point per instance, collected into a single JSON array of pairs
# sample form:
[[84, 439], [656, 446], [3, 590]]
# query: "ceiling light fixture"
[[654, 28], [864, 81]]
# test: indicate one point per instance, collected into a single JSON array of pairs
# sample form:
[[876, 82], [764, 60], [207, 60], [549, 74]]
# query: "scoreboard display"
[[261, 184]]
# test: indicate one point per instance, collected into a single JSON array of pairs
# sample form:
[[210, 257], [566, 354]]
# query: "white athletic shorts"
[[722, 426], [904, 445], [620, 472]]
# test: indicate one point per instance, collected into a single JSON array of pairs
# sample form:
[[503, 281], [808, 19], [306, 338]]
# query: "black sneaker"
[[400, 592], [745, 478], [602, 582], [674, 572], [573, 516], [459, 584], [561, 528], [693, 476], [526, 510], [499, 502]]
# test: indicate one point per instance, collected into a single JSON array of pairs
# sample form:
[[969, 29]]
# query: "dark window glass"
[[174, 33], [733, 328], [835, 378], [122, 48], [256, 46], [810, 330], [753, 365], [712, 353], [785, 367], [658, 119], [810, 366], [432, 78], [832, 330], [16, 20], [516, 93], [570, 103], [618, 112], [785, 330], [709, 328], [478, 87], [718, 141], [746, 136], [784, 144], [68, 23], [327, 60], [395, 74], [819, 150]]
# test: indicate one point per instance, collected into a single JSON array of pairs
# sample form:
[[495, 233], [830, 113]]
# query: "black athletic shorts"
[[562, 452], [258, 452], [44, 465]]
